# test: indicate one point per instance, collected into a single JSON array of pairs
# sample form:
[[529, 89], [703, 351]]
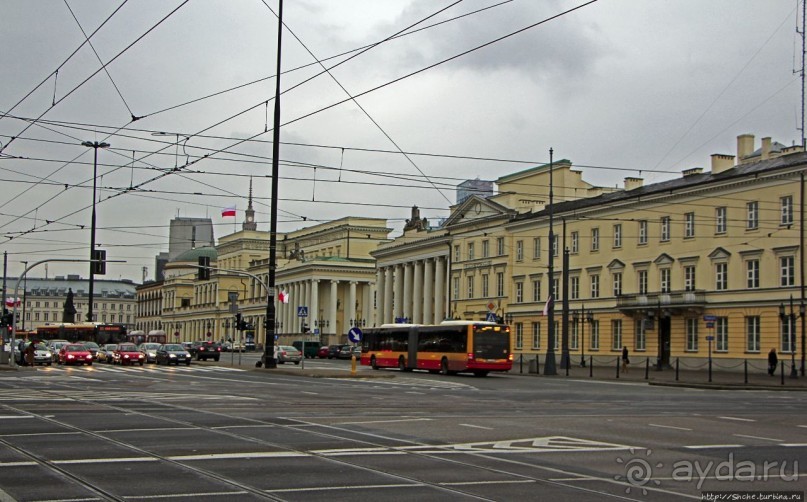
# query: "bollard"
[[676, 369], [647, 368], [567, 367], [352, 364], [617, 367], [591, 366], [521, 363], [710, 370], [783, 372], [745, 364]]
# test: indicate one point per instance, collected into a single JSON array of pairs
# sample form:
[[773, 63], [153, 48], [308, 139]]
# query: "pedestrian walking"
[[29, 354], [773, 361], [625, 360]]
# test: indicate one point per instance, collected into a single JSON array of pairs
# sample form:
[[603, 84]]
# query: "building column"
[[381, 276], [428, 291], [389, 283], [350, 311], [407, 291], [397, 300], [368, 313], [417, 296], [332, 310], [439, 288], [313, 311]]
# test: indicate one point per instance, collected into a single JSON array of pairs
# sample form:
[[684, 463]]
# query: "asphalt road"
[[213, 431]]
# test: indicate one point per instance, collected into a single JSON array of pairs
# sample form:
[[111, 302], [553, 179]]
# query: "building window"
[[471, 251], [485, 249], [575, 243], [519, 292], [500, 284], [642, 277], [664, 276], [787, 271], [574, 288], [720, 220], [722, 334], [753, 330], [689, 278], [786, 203], [617, 279], [470, 286], [721, 276], [519, 250], [618, 235], [595, 239], [536, 335], [752, 215], [642, 231], [595, 286], [665, 228], [689, 225], [616, 334], [575, 336], [788, 334], [555, 287], [457, 255], [595, 335], [500, 246], [536, 290], [456, 288], [536, 248], [752, 274], [47, 314], [692, 334], [519, 335], [641, 336], [485, 290], [555, 246]]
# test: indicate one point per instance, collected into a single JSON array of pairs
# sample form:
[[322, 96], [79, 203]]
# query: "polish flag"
[[11, 302], [549, 304], [282, 296], [228, 211]]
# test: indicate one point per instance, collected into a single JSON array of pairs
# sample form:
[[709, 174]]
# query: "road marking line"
[[707, 446], [804, 426], [15, 416], [797, 445], [669, 427], [385, 421], [477, 426], [759, 437], [738, 419], [353, 487], [312, 393], [181, 495], [499, 482]]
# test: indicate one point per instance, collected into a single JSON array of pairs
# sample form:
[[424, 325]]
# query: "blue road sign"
[[710, 338], [491, 317], [302, 311], [354, 335]]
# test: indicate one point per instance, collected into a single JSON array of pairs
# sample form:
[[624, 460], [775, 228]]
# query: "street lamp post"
[[24, 291], [550, 367], [95, 145], [583, 336], [791, 333]]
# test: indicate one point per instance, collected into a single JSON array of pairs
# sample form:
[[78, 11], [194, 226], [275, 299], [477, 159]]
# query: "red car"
[[323, 351], [75, 353], [127, 353]]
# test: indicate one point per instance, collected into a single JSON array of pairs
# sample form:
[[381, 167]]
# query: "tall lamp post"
[[550, 367], [24, 291], [791, 332], [95, 145]]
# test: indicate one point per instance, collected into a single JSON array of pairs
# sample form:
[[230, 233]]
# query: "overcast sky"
[[622, 88]]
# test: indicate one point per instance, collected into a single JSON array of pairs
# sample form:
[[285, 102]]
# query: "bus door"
[[412, 346]]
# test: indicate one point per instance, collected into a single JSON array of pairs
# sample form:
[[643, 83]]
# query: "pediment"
[[664, 259], [615, 265], [719, 253], [474, 208]]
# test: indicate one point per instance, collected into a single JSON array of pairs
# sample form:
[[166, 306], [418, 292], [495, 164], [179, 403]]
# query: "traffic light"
[[203, 273], [99, 261]]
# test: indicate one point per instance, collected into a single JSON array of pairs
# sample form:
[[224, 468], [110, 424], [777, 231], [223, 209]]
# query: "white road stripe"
[[15, 416], [385, 421], [796, 445], [669, 427], [758, 437], [477, 426], [738, 419], [707, 446]]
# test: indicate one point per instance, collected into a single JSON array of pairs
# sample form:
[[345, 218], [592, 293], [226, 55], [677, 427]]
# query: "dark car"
[[105, 353], [172, 353], [206, 350], [149, 349], [92, 347], [333, 351], [345, 352]]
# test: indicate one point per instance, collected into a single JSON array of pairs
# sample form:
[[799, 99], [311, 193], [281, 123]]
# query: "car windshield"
[[173, 347], [41, 346], [75, 348], [127, 348], [151, 346], [91, 345], [110, 346]]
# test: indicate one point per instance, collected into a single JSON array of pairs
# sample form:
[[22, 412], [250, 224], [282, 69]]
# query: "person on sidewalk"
[[773, 361], [625, 360]]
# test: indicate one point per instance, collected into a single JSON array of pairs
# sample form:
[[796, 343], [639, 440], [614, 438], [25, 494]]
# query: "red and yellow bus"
[[451, 347], [83, 332]]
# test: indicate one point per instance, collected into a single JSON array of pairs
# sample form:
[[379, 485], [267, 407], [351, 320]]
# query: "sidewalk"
[[645, 371]]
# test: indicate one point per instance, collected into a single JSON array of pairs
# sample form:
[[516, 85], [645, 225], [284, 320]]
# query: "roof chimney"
[[766, 148], [721, 162], [692, 171], [633, 183], [745, 146]]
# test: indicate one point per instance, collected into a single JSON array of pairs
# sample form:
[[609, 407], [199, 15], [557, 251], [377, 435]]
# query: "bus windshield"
[[489, 344]]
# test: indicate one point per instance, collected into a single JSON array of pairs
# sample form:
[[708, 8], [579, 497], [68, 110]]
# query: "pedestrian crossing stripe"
[[86, 395], [136, 369], [413, 382]]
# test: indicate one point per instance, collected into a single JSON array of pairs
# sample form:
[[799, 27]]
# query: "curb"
[[727, 386]]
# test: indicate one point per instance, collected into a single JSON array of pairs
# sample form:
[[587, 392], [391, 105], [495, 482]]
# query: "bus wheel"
[[373, 363], [480, 373], [444, 367]]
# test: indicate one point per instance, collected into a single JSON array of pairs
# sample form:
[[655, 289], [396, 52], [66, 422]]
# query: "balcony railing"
[[670, 301]]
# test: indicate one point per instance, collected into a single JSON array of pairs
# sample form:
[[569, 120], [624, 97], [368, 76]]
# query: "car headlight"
[[172, 356], [126, 356]]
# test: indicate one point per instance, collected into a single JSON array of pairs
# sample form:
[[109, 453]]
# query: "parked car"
[[287, 353], [322, 352], [149, 350], [345, 352], [357, 351], [206, 350], [42, 355], [308, 348], [127, 353], [333, 351], [104, 354], [172, 353], [75, 353]]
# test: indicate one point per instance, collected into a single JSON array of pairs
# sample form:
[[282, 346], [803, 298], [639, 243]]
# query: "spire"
[[249, 214]]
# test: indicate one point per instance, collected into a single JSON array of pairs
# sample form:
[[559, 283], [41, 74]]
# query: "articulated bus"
[[451, 347], [83, 332]]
